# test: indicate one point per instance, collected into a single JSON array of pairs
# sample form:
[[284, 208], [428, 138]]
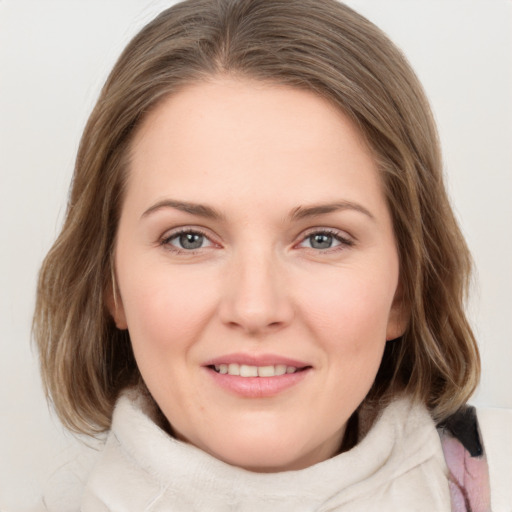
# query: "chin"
[[265, 461], [266, 454]]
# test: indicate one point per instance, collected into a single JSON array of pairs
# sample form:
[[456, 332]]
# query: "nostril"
[[256, 312]]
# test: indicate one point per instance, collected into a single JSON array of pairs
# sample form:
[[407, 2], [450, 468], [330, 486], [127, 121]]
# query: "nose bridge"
[[256, 298]]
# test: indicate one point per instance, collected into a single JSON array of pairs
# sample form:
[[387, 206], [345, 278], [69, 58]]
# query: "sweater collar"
[[143, 468]]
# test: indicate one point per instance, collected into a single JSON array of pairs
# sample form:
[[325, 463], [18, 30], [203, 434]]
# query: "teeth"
[[266, 371], [281, 369], [245, 370], [248, 371], [234, 369]]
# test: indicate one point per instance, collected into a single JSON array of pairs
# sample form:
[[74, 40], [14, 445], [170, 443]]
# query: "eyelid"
[[164, 240], [345, 239]]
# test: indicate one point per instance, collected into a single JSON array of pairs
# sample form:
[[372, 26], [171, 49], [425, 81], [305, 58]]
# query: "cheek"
[[354, 310], [165, 310], [348, 319]]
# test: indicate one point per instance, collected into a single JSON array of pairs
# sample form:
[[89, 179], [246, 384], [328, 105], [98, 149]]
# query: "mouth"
[[261, 376], [245, 370]]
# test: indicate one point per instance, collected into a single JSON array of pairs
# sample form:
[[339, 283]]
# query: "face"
[[257, 270]]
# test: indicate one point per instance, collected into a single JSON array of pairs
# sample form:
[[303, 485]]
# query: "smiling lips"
[[245, 370], [256, 377]]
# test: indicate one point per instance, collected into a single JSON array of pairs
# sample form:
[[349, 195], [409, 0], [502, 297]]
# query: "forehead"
[[245, 108], [232, 137]]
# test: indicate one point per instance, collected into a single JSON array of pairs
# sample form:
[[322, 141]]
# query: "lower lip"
[[257, 387]]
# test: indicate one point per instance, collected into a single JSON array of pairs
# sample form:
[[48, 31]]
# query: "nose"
[[256, 299]]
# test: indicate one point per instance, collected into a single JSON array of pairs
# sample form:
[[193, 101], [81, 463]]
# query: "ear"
[[399, 315], [114, 304]]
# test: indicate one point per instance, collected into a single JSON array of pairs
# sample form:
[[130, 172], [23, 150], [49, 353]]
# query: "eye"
[[324, 240], [188, 240]]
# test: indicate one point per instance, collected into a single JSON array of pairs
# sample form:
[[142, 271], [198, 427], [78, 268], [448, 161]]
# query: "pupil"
[[321, 241], [191, 240]]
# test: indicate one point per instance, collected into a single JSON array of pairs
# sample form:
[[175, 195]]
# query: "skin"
[[259, 283]]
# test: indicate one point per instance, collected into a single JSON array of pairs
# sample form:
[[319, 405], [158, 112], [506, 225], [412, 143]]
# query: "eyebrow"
[[301, 212], [193, 208]]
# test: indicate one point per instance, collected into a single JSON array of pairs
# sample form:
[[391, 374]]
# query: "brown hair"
[[319, 45]]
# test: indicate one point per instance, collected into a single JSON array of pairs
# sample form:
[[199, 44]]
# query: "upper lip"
[[256, 360]]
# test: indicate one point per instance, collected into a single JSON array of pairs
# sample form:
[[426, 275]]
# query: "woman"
[[260, 272]]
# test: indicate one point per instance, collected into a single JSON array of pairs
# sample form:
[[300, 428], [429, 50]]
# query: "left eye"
[[188, 240], [322, 240]]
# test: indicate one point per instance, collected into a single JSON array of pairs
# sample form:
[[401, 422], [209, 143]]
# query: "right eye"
[[187, 240]]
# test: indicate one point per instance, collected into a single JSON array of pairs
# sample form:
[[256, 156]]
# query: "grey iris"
[[320, 241], [191, 240]]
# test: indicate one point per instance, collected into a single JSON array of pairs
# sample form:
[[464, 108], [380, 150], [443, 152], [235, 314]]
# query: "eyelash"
[[166, 240], [344, 242]]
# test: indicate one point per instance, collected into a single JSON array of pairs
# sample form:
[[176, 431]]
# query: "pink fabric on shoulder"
[[467, 464]]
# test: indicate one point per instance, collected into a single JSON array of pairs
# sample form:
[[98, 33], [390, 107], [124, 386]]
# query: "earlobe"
[[396, 328], [114, 304], [399, 315]]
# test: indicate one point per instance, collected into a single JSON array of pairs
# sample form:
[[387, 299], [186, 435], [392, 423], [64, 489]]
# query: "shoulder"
[[65, 485], [477, 444], [496, 428]]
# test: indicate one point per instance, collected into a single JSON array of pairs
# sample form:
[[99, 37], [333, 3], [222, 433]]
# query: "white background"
[[54, 56]]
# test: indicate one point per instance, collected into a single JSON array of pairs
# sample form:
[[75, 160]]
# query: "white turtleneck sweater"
[[398, 466]]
